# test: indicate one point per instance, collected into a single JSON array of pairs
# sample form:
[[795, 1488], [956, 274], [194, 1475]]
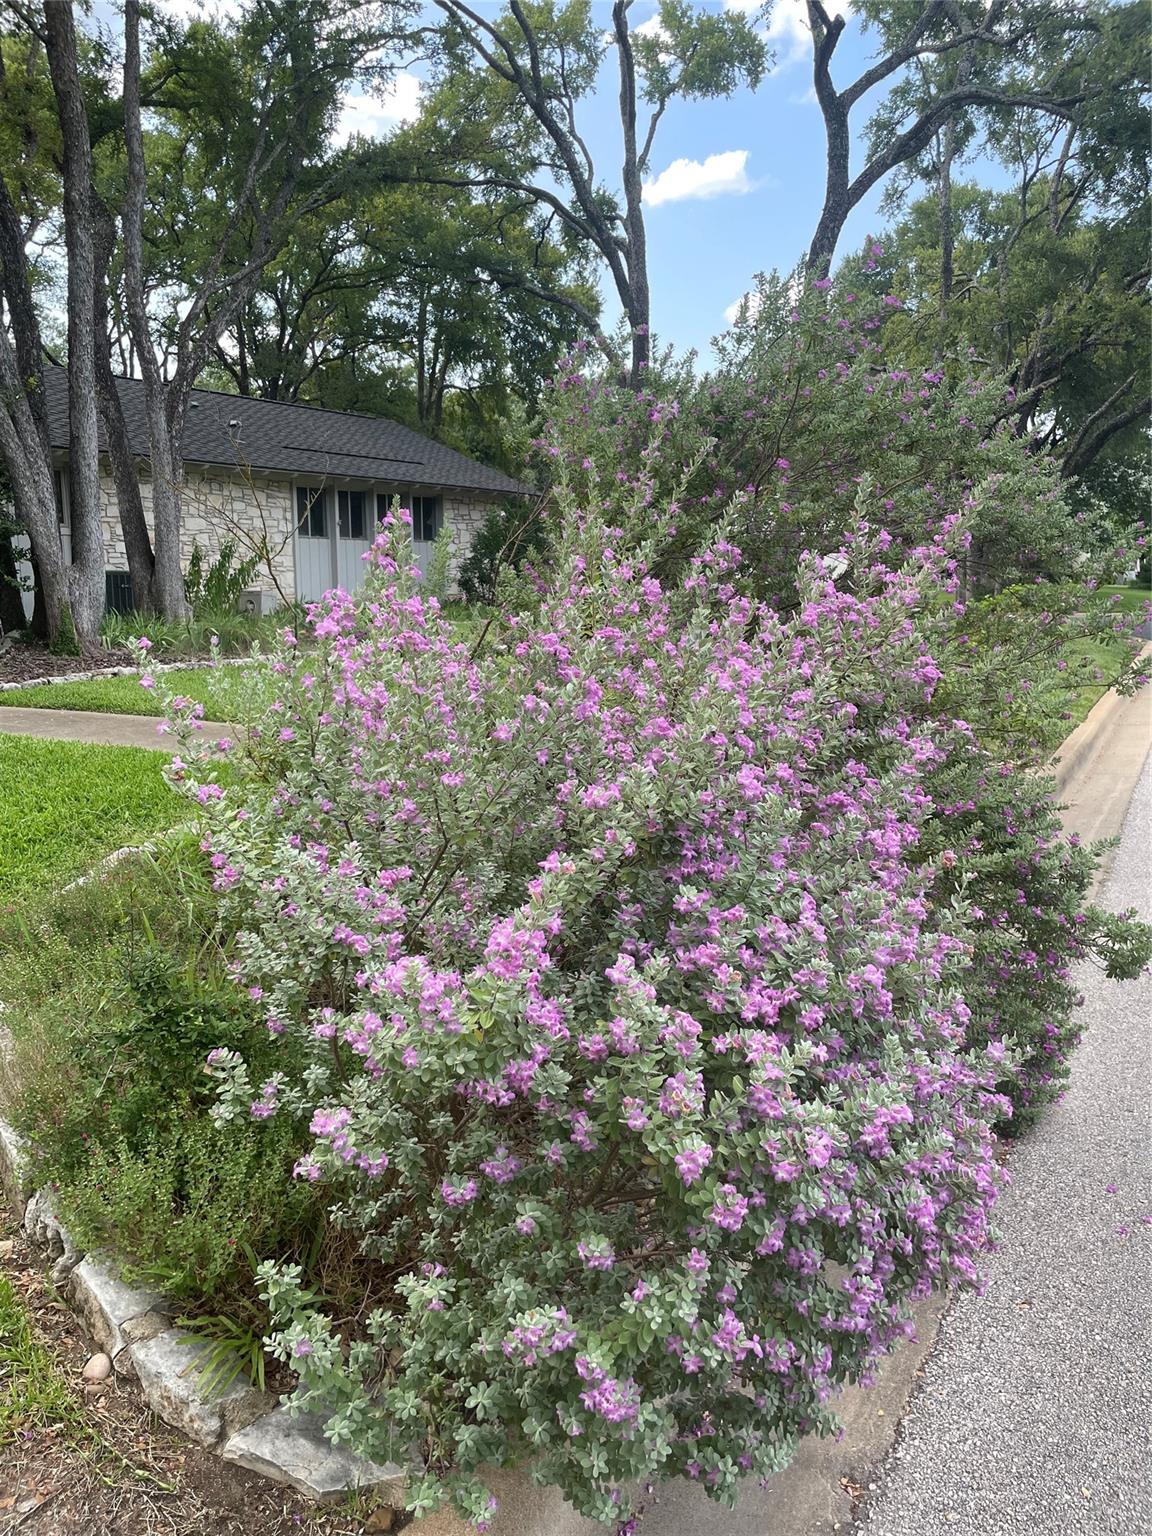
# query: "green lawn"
[[1098, 655], [64, 804], [1132, 599], [225, 693], [34, 1394]]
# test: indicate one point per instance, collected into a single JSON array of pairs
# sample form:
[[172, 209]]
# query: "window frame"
[[346, 514], [309, 499], [419, 508]]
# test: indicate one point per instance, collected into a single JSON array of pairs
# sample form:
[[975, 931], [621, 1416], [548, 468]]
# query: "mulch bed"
[[24, 660], [132, 1475]]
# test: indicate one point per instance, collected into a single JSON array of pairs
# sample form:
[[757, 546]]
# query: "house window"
[[311, 512], [427, 519], [350, 514], [61, 499]]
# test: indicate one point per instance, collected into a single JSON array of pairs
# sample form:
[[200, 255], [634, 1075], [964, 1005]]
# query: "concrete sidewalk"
[[1035, 1410], [101, 730]]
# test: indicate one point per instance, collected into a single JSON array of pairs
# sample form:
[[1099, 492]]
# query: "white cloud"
[[751, 298], [716, 176], [788, 32], [653, 27], [373, 116]]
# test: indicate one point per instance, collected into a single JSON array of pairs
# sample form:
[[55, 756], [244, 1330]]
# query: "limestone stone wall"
[[464, 516], [254, 513]]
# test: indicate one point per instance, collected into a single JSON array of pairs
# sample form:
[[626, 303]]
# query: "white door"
[[353, 538], [315, 573]]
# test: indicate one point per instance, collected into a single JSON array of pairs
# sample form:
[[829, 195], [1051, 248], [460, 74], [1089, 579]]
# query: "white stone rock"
[[46, 1232], [104, 1303], [99, 1368], [292, 1449], [169, 1366]]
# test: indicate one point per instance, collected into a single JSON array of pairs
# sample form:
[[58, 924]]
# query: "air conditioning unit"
[[256, 602]]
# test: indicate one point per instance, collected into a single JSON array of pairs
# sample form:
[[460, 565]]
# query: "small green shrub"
[[237, 633], [216, 588], [229, 1348], [511, 535], [116, 992], [186, 1204]]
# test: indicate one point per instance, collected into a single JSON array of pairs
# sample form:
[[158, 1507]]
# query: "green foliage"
[[237, 633], [35, 1394], [1043, 274], [810, 420], [217, 588], [231, 1349], [116, 993], [63, 804], [511, 536], [176, 1201]]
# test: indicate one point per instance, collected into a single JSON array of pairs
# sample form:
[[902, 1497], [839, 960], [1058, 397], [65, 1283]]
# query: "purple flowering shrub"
[[630, 1005], [806, 430]]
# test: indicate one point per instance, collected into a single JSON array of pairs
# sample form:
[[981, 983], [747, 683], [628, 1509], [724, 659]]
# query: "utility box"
[[256, 602]]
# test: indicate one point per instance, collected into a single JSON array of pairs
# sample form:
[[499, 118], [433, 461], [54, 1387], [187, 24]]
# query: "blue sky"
[[705, 250]]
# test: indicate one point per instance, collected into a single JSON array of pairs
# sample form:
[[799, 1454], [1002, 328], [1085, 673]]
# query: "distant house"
[[306, 484]]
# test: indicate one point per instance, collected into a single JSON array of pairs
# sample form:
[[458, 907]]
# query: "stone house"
[[297, 485]]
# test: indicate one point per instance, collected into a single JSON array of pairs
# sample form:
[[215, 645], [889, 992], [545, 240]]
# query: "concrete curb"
[[1091, 734], [1098, 766]]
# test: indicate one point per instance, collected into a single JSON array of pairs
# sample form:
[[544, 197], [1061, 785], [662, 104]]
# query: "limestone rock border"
[[134, 1328], [193, 664]]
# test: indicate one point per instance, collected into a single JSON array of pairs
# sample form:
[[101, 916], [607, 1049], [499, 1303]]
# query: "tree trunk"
[[38, 624], [637, 301], [25, 325], [24, 441], [34, 496], [86, 577], [130, 503], [836, 209], [164, 428], [125, 475], [167, 487]]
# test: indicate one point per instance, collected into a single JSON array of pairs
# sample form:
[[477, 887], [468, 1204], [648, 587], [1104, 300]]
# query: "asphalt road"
[[1035, 1408]]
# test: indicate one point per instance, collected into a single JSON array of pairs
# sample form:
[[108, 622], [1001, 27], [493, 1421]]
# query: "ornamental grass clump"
[[630, 1033]]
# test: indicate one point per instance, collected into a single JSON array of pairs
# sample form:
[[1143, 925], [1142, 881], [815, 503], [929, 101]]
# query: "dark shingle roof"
[[276, 438]]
